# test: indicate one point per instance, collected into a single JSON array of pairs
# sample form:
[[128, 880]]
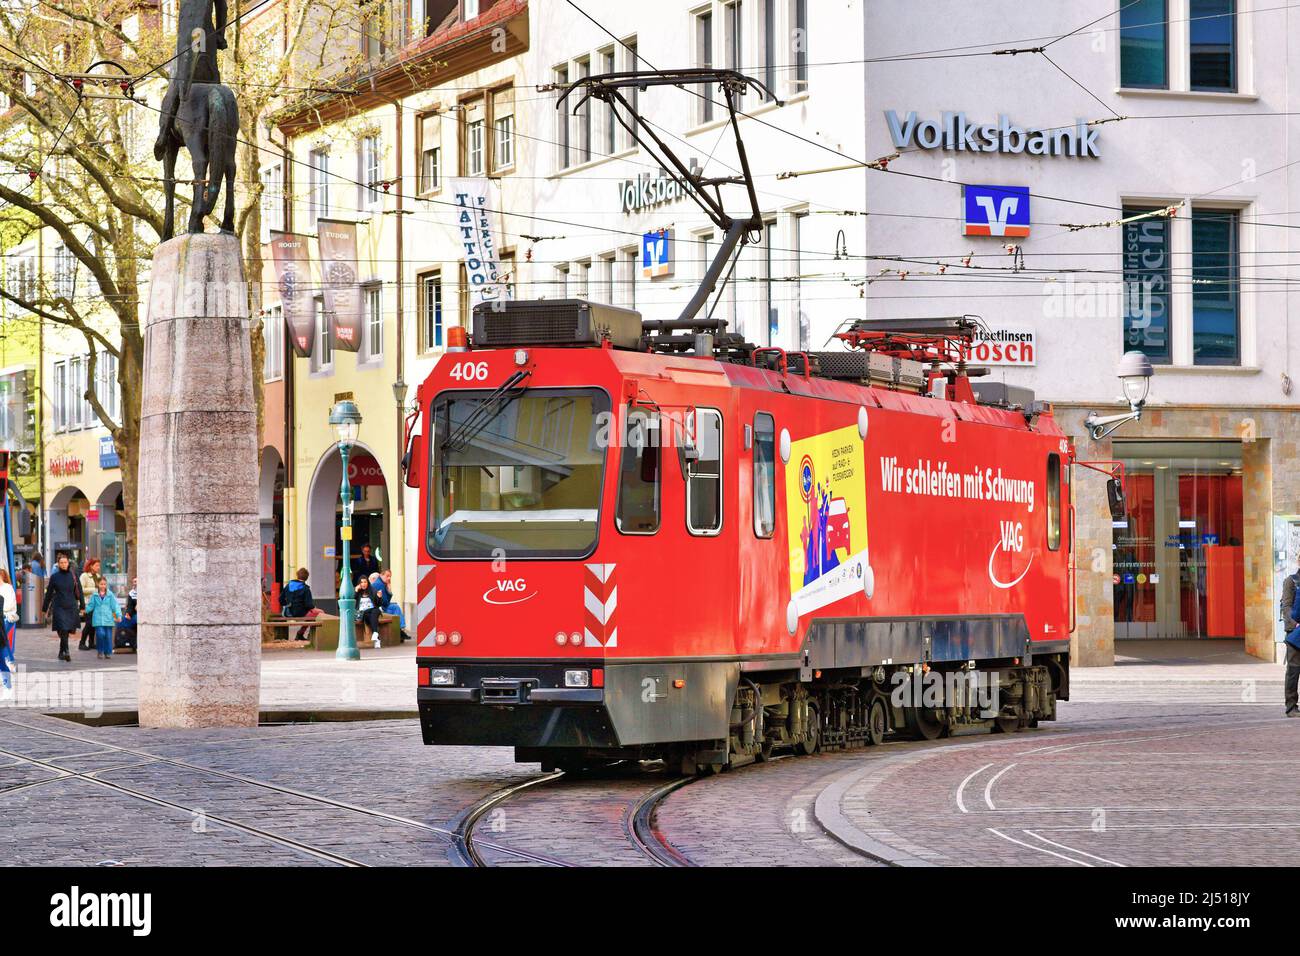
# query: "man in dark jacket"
[[298, 601], [364, 565], [63, 595]]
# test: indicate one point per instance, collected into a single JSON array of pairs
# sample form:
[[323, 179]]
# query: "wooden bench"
[[290, 625]]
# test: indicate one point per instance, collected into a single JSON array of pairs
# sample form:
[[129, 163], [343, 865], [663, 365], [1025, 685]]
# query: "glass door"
[[1178, 556]]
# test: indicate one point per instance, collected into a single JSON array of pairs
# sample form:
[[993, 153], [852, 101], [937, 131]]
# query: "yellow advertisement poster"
[[826, 499]]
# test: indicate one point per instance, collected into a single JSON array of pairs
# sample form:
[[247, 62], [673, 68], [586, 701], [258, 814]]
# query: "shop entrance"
[[324, 517], [1178, 557]]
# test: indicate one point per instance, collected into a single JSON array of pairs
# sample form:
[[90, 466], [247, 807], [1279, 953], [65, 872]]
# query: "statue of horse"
[[199, 113], [207, 125]]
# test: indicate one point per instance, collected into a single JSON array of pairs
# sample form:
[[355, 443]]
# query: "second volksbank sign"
[[953, 131]]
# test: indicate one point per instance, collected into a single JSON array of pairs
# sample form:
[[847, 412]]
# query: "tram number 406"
[[470, 371]]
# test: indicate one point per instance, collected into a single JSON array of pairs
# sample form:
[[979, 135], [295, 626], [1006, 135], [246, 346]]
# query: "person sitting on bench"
[[298, 602]]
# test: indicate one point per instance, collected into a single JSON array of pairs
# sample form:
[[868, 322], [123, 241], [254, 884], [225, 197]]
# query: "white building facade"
[[1153, 209]]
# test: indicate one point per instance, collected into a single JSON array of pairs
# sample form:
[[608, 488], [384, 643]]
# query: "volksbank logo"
[[953, 131]]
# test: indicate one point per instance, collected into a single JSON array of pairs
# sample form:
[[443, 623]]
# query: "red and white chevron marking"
[[426, 594], [600, 601]]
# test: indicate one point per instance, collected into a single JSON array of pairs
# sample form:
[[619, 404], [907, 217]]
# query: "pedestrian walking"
[[8, 637], [64, 602], [1291, 683], [37, 565], [298, 601], [367, 611], [89, 585], [103, 612]]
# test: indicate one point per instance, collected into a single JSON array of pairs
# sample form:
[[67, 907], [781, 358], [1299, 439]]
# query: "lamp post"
[[345, 419], [1134, 374]]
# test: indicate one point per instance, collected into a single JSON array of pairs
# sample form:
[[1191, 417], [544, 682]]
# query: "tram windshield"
[[517, 474]]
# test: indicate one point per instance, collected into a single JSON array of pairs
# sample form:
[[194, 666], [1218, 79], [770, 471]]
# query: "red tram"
[[654, 540]]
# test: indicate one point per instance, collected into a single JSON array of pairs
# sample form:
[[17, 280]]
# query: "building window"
[[374, 313], [106, 388], [582, 280], [638, 475], [464, 298], [733, 34], [430, 139], [503, 129], [508, 279], [633, 66], [768, 10], [704, 61], [431, 322], [1144, 44], [1215, 300], [704, 475], [631, 267], [764, 475], [584, 115], [370, 169], [771, 317], [1213, 29], [65, 272], [272, 200], [798, 222], [799, 44], [60, 396], [318, 185], [473, 156], [75, 399], [606, 279], [322, 359], [273, 344], [1147, 284], [610, 141], [561, 118], [469, 9], [562, 281]]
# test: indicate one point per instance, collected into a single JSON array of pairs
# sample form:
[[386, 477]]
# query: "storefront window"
[[1177, 557]]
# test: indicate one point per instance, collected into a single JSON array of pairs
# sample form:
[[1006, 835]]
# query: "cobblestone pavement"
[[1110, 783]]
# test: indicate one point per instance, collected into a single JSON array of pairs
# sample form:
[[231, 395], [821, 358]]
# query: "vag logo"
[[1013, 536], [508, 591], [1011, 540]]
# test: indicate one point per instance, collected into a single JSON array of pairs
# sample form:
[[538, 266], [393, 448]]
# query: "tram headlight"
[[454, 637], [577, 678], [442, 676], [560, 638], [575, 638]]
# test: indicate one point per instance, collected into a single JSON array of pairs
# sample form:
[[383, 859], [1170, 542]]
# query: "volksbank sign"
[[953, 131]]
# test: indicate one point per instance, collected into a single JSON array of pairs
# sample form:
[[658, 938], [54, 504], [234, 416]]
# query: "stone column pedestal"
[[198, 541]]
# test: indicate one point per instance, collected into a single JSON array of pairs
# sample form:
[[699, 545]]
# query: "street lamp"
[[345, 419], [1134, 373]]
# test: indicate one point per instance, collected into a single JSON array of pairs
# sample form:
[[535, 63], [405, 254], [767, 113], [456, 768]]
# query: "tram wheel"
[[877, 721], [809, 744], [1006, 725], [924, 722]]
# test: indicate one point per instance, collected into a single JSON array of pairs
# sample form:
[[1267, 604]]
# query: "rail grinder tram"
[[653, 539]]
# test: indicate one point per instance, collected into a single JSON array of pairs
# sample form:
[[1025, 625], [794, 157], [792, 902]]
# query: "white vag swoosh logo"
[[1006, 584], [489, 599]]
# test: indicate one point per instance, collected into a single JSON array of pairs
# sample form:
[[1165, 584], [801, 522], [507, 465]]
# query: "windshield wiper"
[[487, 410]]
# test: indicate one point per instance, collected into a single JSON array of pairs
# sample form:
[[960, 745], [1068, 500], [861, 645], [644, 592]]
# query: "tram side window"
[[704, 475], [764, 475], [638, 475], [1053, 502]]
